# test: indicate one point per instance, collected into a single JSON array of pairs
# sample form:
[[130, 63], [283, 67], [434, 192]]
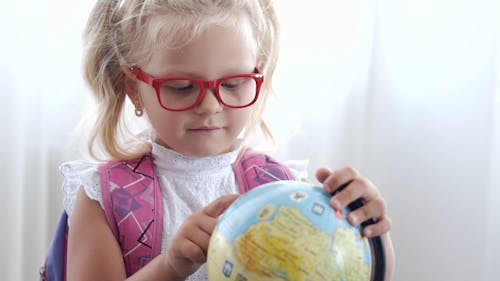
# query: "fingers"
[[199, 226], [191, 249], [322, 174], [355, 189], [372, 209], [334, 180], [192, 239], [212, 213], [337, 181], [217, 207], [199, 233], [382, 226], [347, 185]]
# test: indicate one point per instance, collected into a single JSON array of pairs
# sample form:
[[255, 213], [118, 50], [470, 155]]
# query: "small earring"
[[138, 112], [138, 109]]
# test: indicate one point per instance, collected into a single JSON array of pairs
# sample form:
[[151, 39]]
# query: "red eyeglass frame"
[[204, 85]]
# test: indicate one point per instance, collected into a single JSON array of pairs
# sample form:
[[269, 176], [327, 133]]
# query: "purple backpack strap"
[[134, 208], [55, 263], [253, 169]]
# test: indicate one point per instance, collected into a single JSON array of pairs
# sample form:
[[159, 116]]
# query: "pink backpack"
[[134, 208]]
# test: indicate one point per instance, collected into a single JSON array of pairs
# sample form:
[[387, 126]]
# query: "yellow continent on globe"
[[290, 247], [349, 255]]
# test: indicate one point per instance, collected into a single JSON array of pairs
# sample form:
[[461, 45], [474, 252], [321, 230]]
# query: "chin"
[[204, 152]]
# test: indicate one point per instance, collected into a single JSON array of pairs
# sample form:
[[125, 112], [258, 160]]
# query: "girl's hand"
[[356, 187], [188, 250]]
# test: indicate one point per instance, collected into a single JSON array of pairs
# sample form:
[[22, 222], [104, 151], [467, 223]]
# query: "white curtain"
[[432, 130], [406, 91], [42, 97], [493, 222], [414, 106]]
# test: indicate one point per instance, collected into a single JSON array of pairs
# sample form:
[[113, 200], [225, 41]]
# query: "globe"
[[286, 230]]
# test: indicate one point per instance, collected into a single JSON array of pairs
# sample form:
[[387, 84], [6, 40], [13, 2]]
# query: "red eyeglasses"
[[183, 93]]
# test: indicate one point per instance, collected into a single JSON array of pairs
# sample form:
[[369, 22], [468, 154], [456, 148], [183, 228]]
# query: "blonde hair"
[[126, 33]]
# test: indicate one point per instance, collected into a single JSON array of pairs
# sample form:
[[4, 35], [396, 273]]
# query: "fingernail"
[[339, 215], [336, 204], [355, 219]]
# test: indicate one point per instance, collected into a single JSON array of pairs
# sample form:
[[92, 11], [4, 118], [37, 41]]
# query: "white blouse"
[[188, 184]]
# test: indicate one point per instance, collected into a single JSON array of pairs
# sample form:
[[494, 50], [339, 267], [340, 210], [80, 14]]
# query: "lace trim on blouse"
[[172, 162], [79, 174]]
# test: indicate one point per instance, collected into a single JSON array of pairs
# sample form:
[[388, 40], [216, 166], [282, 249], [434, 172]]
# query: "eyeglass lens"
[[182, 93]]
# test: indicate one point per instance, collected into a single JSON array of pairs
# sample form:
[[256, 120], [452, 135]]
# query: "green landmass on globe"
[[276, 234]]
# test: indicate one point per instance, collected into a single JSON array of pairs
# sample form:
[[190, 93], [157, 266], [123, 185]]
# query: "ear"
[[130, 83]]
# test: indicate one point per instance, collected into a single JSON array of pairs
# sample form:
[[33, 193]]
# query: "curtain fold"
[[492, 270], [492, 231]]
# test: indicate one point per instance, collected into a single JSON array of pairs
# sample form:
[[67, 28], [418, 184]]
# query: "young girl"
[[200, 72]]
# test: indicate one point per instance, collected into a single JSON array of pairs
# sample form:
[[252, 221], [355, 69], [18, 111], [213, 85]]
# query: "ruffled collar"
[[169, 161]]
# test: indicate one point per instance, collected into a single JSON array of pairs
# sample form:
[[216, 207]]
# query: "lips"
[[205, 129]]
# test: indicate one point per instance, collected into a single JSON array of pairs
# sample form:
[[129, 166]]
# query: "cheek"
[[241, 117], [157, 115], [152, 106], [167, 127], [148, 97]]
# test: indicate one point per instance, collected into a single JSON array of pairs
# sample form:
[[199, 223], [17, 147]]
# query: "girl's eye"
[[179, 87], [234, 83]]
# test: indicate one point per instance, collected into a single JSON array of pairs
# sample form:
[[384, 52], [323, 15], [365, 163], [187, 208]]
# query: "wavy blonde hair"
[[126, 33]]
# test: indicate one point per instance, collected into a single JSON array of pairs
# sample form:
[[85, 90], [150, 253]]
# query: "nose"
[[209, 104]]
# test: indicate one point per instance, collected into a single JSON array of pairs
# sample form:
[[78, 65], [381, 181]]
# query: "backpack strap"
[[252, 169], [55, 262], [134, 209], [134, 205]]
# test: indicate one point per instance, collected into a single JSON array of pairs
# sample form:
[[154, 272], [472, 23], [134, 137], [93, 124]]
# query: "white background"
[[404, 90]]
